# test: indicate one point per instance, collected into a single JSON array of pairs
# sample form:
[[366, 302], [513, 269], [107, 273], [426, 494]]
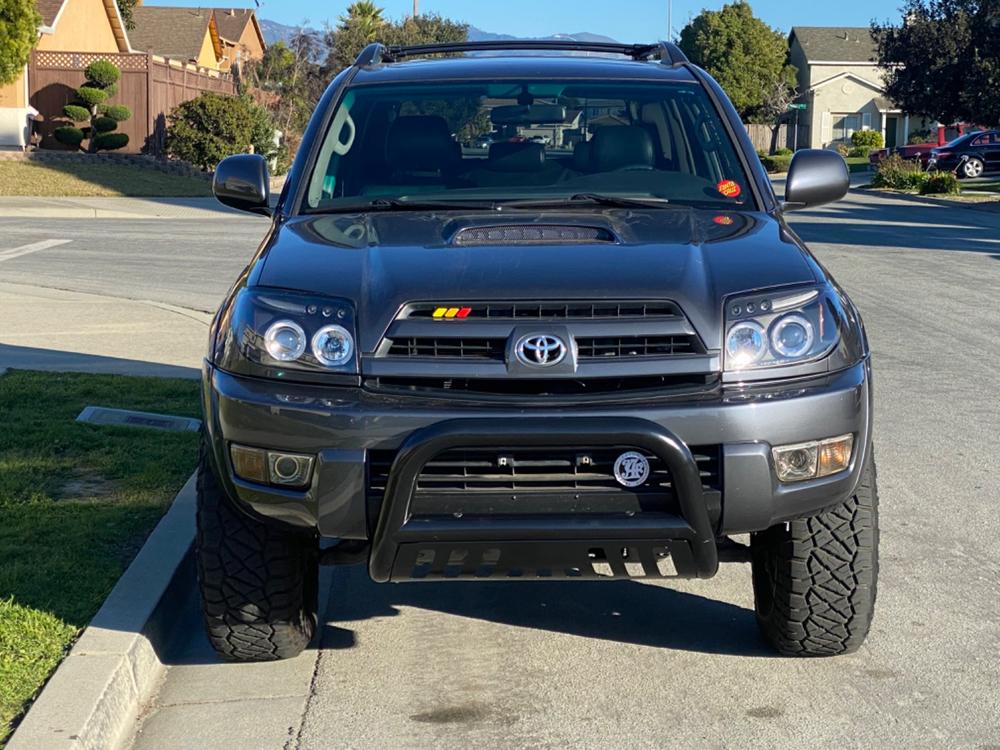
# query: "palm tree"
[[365, 17]]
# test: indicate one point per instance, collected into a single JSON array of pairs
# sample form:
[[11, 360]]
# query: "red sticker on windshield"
[[729, 188]]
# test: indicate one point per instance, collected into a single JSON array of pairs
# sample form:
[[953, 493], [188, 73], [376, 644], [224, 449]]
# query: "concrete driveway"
[[647, 665]]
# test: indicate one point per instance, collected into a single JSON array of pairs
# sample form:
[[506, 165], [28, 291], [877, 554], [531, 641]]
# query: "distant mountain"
[[279, 32]]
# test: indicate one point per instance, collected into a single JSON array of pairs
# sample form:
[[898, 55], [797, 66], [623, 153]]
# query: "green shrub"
[[90, 96], [783, 152], [871, 140], [103, 73], [922, 136], [210, 127], [896, 173], [69, 136], [858, 151], [109, 141], [117, 112], [76, 113], [842, 149], [105, 124], [776, 163], [944, 183]]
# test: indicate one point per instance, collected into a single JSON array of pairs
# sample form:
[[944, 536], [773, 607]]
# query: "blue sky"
[[625, 20]]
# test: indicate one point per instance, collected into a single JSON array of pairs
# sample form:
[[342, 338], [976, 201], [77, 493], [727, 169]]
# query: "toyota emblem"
[[540, 350]]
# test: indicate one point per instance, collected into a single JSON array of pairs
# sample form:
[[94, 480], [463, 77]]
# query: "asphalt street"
[[632, 664]]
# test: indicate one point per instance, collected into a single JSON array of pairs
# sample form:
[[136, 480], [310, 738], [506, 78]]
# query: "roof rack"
[[668, 52]]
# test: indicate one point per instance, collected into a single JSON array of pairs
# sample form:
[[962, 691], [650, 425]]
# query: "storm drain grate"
[[124, 418]]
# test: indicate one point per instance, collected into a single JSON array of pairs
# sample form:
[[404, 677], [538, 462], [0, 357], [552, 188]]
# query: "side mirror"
[[242, 182], [815, 177]]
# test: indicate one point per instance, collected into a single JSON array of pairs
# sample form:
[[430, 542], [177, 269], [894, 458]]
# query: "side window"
[[980, 141]]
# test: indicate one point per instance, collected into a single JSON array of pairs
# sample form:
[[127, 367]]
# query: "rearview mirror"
[[815, 177], [242, 182], [528, 114]]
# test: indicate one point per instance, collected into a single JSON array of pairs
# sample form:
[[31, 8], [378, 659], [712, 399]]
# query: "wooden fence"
[[150, 86], [760, 135]]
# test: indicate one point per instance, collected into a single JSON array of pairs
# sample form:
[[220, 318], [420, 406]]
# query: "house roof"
[[51, 10], [836, 43], [232, 22], [174, 32]]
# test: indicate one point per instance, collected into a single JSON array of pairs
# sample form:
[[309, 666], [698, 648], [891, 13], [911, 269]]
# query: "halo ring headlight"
[[333, 346], [792, 336], [746, 344], [285, 340]]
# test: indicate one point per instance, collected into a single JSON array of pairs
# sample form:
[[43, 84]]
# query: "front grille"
[[436, 348], [539, 480], [589, 347], [628, 310], [636, 347], [660, 385]]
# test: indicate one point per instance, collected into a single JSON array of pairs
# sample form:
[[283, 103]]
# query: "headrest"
[[582, 156], [420, 143], [620, 147], [517, 157]]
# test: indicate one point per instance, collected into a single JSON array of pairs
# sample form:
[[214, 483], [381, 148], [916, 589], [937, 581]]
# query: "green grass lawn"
[[102, 180], [76, 503]]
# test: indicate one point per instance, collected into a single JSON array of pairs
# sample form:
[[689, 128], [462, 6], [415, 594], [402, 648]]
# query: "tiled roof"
[[172, 32], [49, 9], [232, 22], [836, 43]]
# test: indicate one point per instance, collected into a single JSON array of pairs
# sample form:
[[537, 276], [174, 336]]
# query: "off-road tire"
[[815, 581], [258, 581]]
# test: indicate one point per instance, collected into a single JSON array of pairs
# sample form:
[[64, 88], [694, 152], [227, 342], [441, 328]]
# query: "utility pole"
[[416, 8], [670, 20]]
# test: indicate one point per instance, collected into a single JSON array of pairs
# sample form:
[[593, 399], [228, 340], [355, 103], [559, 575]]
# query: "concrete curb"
[[93, 699], [988, 206]]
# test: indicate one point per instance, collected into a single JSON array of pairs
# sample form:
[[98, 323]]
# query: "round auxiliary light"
[[333, 346], [746, 344], [285, 341], [792, 336]]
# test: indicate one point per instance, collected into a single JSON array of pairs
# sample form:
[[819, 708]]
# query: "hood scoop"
[[533, 234]]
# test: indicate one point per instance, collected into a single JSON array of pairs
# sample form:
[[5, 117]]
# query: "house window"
[[844, 125]]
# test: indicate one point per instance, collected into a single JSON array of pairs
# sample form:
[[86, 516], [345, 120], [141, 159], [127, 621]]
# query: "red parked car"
[[921, 151]]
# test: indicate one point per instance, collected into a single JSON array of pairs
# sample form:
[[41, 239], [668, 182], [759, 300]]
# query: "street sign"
[[798, 106]]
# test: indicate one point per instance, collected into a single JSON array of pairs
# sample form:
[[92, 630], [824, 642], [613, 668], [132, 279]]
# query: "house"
[[67, 25], [242, 38], [843, 88], [189, 35]]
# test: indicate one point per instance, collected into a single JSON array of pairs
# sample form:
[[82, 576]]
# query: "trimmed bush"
[[69, 136], [942, 183], [109, 141], [76, 113], [918, 137], [783, 152], [105, 124], [871, 140], [90, 96], [859, 151], [210, 127], [117, 112], [896, 173], [105, 74], [776, 163]]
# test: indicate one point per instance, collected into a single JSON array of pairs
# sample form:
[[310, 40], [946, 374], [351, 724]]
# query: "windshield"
[[504, 141]]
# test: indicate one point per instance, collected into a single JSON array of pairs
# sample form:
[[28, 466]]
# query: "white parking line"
[[34, 247]]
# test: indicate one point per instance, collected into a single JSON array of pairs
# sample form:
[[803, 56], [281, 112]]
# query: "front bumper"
[[342, 426]]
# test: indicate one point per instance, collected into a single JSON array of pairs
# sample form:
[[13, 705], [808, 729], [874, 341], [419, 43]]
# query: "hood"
[[381, 261]]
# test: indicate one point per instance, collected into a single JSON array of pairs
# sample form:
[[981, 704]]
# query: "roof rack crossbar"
[[668, 52]]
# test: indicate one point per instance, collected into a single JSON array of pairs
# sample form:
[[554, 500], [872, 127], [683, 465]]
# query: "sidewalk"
[[22, 207], [52, 329]]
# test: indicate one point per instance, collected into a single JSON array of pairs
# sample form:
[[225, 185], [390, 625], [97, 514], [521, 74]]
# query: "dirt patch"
[[85, 485]]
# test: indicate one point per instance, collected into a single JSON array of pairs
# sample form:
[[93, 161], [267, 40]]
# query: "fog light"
[[289, 469], [249, 463], [817, 458]]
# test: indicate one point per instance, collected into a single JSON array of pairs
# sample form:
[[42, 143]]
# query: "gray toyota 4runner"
[[534, 316]]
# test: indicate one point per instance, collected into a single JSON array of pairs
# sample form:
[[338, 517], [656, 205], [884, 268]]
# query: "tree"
[[125, 7], [286, 82], [943, 60], [747, 57], [101, 83], [205, 130], [355, 32], [19, 22]]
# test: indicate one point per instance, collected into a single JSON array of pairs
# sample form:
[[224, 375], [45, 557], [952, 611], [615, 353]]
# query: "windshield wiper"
[[613, 201], [398, 204]]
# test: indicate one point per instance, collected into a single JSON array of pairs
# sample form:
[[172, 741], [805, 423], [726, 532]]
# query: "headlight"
[[782, 328], [276, 334]]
